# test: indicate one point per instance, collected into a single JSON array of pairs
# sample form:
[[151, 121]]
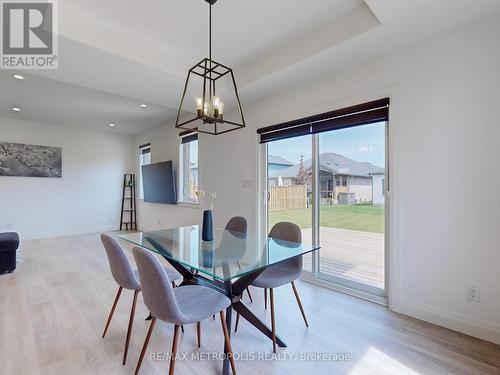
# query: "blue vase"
[[207, 231], [207, 254]]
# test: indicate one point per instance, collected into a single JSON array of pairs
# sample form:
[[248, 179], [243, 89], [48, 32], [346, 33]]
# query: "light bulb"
[[221, 109], [205, 109], [216, 105], [199, 107]]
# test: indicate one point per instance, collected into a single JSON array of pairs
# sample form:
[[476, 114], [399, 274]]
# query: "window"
[[144, 159], [189, 167]]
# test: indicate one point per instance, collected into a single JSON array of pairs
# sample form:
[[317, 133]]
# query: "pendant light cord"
[[212, 83], [210, 32]]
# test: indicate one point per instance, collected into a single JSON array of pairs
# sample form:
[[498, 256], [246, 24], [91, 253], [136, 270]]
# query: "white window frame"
[[184, 151], [142, 162]]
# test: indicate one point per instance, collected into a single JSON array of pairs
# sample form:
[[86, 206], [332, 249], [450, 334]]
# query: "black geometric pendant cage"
[[203, 78]]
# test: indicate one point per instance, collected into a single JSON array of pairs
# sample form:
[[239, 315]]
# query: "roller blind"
[[189, 137], [361, 114], [145, 148]]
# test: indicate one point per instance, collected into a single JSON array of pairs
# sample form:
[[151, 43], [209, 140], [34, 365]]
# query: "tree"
[[304, 175]]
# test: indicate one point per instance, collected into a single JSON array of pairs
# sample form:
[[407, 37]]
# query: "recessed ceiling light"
[[16, 109], [18, 76], [112, 125], [144, 105]]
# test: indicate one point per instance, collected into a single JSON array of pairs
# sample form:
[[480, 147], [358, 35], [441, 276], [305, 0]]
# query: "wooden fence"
[[283, 198]]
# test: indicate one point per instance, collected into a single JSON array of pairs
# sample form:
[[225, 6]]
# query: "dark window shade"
[[361, 114], [295, 131], [186, 132], [356, 119], [189, 138], [145, 148]]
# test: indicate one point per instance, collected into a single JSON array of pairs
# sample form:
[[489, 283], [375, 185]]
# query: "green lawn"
[[366, 218]]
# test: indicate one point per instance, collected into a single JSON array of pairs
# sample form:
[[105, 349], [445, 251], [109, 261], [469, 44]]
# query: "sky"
[[362, 143]]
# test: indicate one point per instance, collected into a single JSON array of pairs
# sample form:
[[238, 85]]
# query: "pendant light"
[[207, 103]]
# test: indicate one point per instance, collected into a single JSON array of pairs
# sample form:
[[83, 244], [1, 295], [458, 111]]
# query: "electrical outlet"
[[8, 226], [159, 222], [472, 293]]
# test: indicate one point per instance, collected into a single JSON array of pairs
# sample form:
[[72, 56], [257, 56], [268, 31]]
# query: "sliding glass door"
[[332, 184], [351, 215], [290, 186]]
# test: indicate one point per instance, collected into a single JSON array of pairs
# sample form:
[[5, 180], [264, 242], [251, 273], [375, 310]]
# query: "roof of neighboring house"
[[335, 164], [274, 159]]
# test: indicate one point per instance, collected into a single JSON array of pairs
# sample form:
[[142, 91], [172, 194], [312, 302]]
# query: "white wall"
[[164, 146], [443, 121], [88, 196]]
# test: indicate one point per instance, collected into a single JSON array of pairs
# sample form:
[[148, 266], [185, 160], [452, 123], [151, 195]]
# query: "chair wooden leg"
[[198, 333], [249, 295], [227, 341], [299, 303], [265, 298], [273, 322], [237, 321], [130, 324], [174, 350], [145, 346], [112, 311]]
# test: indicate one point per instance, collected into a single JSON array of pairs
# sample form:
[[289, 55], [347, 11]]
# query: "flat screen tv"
[[158, 182]]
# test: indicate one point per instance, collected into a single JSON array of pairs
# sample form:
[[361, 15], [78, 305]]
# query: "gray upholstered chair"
[[184, 305], [126, 278], [237, 224], [281, 273], [230, 250], [237, 227]]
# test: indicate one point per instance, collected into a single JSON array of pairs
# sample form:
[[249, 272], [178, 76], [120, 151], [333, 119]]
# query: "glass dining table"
[[229, 265]]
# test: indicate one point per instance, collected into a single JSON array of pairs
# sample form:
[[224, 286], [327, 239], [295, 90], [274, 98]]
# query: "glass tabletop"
[[235, 255]]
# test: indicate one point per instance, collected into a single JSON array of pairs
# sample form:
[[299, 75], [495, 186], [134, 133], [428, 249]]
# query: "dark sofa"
[[9, 242]]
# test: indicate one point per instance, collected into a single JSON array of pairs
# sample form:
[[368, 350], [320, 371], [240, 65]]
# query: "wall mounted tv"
[[158, 182]]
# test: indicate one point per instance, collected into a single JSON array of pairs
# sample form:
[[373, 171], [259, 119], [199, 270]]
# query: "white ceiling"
[[54, 102], [115, 55]]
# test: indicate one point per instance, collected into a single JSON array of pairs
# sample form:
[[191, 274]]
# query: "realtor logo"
[[29, 38]]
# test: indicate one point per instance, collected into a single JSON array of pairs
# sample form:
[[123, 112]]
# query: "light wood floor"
[[53, 309]]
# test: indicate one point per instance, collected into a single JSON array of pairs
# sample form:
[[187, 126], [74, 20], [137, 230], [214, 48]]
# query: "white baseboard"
[[36, 236], [457, 322]]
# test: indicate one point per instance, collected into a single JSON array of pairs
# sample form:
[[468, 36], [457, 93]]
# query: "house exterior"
[[277, 163], [338, 174]]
